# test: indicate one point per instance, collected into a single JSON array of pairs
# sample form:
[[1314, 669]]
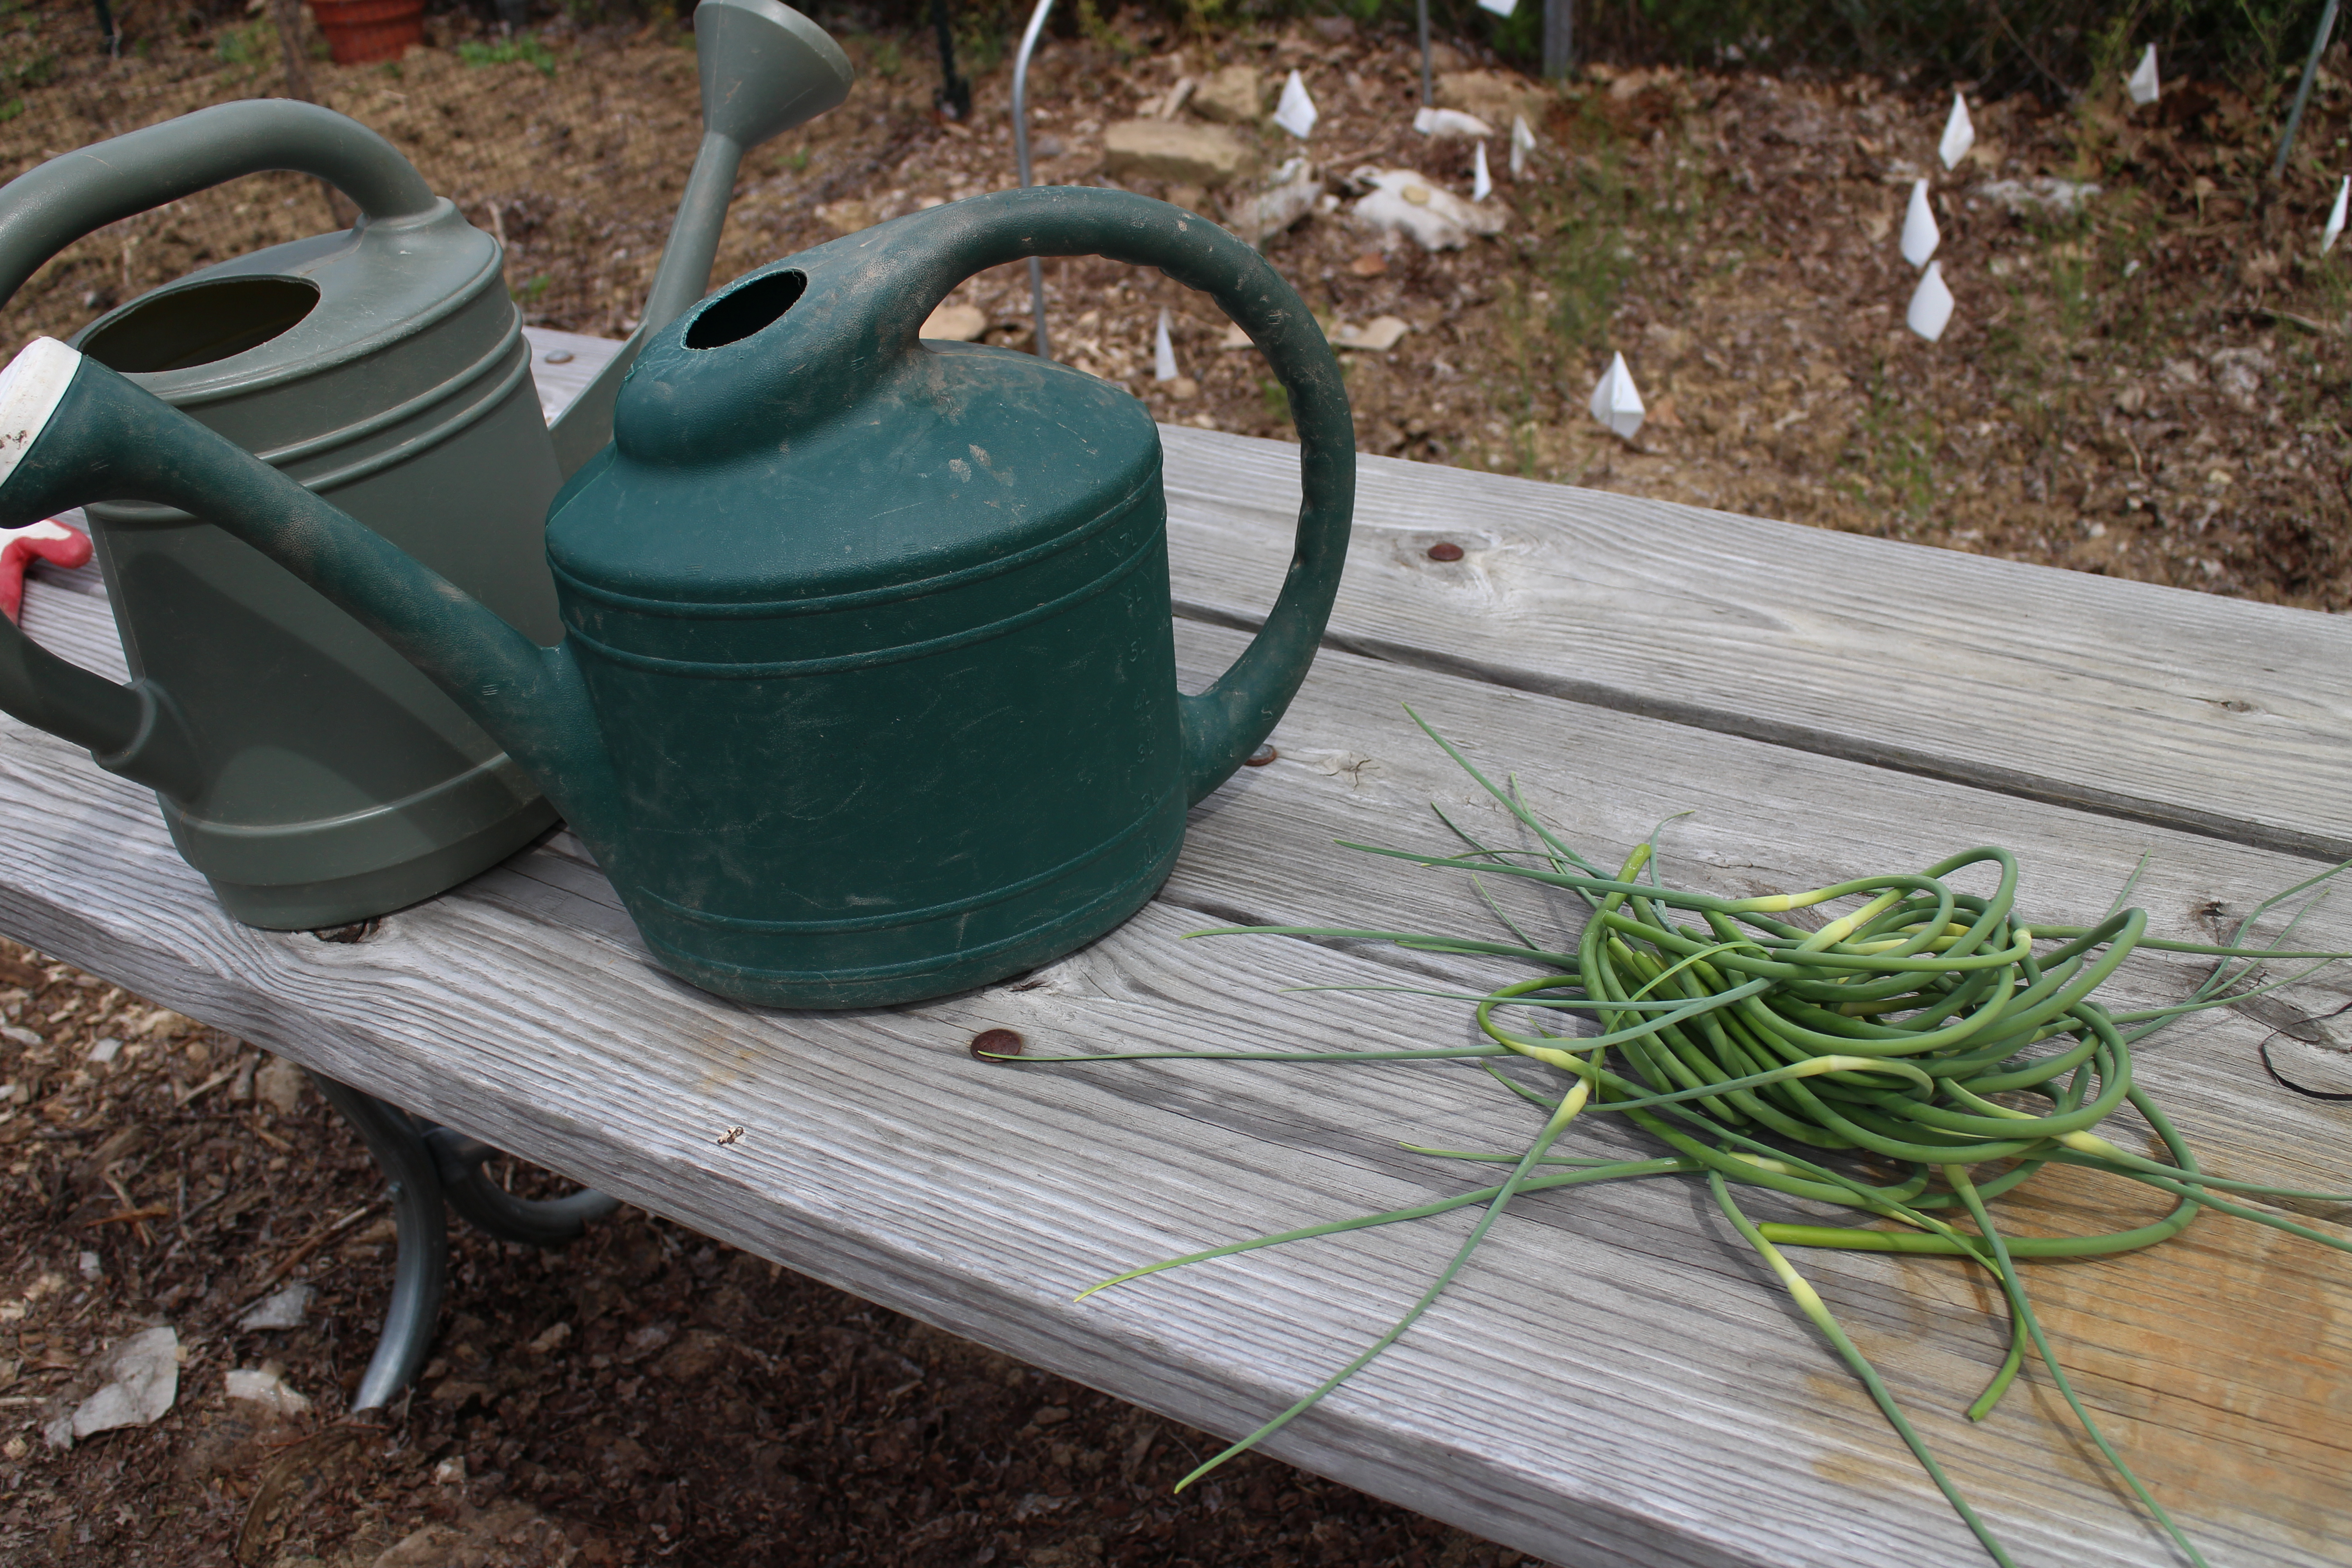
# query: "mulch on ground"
[[2143, 376], [643, 1395]]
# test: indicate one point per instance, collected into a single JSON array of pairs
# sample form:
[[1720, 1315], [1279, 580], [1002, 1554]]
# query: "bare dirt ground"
[[2145, 380]]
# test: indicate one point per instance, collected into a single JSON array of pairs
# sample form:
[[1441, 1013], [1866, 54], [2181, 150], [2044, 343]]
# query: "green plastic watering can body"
[[923, 650], [341, 782], [867, 687], [384, 367], [328, 779]]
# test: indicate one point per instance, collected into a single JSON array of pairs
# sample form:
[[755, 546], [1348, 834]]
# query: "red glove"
[[52, 541]]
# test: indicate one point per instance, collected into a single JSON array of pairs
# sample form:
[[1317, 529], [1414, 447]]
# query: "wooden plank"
[[2122, 698], [1614, 1382], [563, 364]]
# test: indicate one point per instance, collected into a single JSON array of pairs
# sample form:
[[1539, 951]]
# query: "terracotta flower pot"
[[359, 32]]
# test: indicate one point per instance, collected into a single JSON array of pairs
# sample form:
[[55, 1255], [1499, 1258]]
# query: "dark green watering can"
[[867, 689], [383, 366]]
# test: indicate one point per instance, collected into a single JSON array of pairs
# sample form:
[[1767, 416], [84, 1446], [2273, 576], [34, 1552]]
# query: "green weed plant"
[[1893, 457], [523, 48], [254, 44]]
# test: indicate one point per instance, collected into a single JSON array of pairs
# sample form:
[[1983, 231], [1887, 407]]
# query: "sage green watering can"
[[867, 686], [385, 368]]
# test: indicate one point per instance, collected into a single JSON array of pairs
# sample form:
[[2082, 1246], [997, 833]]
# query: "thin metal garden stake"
[[1021, 157], [1421, 6], [1559, 38], [286, 14], [1424, 13], [954, 98], [2303, 91]]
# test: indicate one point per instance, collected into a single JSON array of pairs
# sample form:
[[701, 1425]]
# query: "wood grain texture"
[[1613, 1382], [2122, 698]]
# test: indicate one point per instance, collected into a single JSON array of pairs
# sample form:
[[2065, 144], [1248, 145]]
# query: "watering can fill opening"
[[199, 322], [739, 312], [322, 778]]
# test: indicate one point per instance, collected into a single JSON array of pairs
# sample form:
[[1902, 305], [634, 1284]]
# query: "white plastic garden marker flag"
[[2336, 217], [1931, 304], [2142, 84], [1616, 402], [1523, 142], [1482, 184], [1296, 112], [1163, 352], [1920, 235], [1959, 134]]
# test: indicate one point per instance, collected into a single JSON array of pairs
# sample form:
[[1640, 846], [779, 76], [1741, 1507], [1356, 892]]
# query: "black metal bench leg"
[[421, 1268], [429, 1166], [492, 1210]]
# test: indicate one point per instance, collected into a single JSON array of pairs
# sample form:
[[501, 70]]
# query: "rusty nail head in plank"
[[991, 1043]]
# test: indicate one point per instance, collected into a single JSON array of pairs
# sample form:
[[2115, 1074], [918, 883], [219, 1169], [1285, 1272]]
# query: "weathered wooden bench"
[[1614, 1379]]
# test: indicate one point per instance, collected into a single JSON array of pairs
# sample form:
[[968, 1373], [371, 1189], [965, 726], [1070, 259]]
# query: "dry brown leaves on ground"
[[2144, 381], [2144, 376]]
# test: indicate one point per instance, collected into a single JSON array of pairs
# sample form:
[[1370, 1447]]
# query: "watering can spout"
[[73, 432], [765, 68]]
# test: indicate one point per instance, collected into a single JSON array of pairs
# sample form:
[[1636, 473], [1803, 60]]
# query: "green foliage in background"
[[22, 61], [2051, 48], [254, 44], [1277, 398], [1092, 23], [980, 47], [1597, 221], [523, 48]]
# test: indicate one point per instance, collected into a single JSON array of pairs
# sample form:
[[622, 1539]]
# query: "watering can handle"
[[1224, 725], [75, 194], [134, 730]]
